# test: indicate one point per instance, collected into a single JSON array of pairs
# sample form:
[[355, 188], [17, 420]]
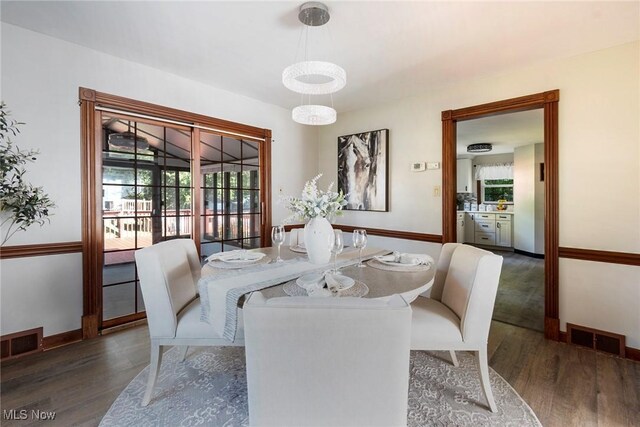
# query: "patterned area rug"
[[210, 389]]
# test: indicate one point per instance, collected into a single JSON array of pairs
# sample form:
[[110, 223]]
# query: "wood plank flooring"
[[565, 385]]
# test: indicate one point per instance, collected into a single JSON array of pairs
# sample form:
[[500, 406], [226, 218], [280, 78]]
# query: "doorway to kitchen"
[[548, 103], [500, 202]]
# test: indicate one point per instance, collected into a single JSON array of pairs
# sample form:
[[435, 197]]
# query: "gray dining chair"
[[457, 314], [168, 273], [327, 361]]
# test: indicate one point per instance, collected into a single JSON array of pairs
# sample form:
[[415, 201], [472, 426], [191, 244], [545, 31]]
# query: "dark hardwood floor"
[[565, 385]]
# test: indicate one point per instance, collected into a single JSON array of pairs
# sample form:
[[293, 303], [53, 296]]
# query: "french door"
[[156, 180]]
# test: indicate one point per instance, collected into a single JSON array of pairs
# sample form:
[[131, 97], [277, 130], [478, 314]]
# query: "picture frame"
[[363, 170]]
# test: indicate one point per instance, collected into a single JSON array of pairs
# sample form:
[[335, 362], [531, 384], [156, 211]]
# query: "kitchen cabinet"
[[460, 228], [503, 231], [487, 228], [469, 228], [464, 169]]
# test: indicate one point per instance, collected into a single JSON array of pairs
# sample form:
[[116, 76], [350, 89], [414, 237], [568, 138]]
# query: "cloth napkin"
[[407, 258], [239, 254]]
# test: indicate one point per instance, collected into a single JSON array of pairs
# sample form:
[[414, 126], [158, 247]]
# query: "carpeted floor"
[[520, 299], [209, 388]]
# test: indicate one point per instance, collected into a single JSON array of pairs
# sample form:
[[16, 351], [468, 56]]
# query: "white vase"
[[317, 233]]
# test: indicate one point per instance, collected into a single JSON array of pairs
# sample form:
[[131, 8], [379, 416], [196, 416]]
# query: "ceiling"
[[390, 50], [504, 132]]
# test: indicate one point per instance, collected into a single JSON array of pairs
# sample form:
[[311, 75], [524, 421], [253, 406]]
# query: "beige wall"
[[599, 178], [40, 80]]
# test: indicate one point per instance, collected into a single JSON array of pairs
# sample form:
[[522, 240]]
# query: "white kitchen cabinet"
[[460, 228], [503, 233], [483, 238], [464, 169], [469, 228]]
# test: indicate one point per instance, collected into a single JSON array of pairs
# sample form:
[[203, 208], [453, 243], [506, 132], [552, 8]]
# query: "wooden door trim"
[[548, 101], [140, 107], [91, 158]]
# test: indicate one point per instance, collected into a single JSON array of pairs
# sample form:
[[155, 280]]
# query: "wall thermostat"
[[418, 166]]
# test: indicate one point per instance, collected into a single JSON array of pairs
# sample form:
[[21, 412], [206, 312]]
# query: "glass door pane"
[[146, 198], [230, 184]]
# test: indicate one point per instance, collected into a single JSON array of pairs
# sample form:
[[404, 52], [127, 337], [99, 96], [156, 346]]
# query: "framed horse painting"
[[363, 170]]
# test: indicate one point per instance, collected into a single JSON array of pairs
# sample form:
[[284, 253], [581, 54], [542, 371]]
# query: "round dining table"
[[382, 284]]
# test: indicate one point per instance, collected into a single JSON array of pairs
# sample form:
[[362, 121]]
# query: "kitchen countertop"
[[491, 212]]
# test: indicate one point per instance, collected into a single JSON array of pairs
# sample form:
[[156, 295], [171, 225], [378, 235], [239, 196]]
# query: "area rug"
[[210, 389]]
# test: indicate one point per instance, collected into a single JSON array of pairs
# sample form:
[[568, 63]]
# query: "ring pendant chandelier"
[[299, 77]]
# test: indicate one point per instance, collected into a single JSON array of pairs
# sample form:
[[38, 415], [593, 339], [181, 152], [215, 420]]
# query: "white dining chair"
[[457, 315], [296, 236], [168, 273], [327, 361]]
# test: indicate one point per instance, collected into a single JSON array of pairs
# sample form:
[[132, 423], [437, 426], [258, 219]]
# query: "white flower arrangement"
[[315, 203]]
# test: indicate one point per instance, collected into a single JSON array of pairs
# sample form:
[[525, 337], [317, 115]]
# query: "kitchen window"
[[497, 189]]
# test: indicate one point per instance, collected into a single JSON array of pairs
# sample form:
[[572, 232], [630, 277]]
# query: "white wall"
[[599, 153], [528, 198], [40, 80]]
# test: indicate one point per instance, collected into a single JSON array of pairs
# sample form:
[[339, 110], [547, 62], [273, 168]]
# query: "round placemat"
[[405, 268], [232, 266], [359, 289]]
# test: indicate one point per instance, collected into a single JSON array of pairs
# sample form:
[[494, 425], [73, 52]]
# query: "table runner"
[[220, 292]]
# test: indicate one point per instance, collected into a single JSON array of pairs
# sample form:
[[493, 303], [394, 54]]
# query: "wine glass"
[[360, 242], [277, 237], [337, 245]]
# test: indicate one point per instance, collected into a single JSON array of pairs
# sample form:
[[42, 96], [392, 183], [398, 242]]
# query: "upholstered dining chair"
[[457, 315], [327, 361], [296, 236], [168, 273]]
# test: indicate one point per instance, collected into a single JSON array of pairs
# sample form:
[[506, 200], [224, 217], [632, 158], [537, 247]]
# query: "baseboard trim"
[[632, 353], [61, 339], [529, 254]]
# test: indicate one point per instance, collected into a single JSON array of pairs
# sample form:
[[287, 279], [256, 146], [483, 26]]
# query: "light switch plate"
[[433, 165]]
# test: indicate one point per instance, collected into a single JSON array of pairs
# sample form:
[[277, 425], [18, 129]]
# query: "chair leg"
[[483, 366], [454, 359], [183, 356], [154, 368]]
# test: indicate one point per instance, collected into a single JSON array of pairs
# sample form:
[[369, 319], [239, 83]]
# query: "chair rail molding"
[[40, 249]]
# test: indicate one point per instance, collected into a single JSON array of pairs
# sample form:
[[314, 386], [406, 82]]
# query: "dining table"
[[225, 290]]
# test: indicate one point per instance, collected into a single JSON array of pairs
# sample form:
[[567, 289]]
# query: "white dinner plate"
[[298, 249]]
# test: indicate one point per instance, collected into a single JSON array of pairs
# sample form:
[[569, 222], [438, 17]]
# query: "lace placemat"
[[234, 266], [359, 289], [407, 268]]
